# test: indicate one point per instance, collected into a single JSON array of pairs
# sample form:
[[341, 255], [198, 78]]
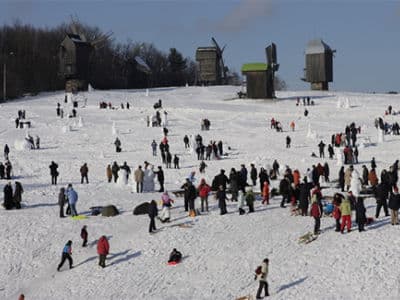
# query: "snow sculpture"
[[148, 180], [23, 145], [381, 136], [147, 92], [122, 177], [165, 119], [114, 129], [346, 103], [80, 122], [355, 184], [66, 128], [340, 158]]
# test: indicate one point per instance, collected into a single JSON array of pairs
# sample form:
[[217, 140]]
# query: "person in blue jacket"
[[72, 199], [66, 254]]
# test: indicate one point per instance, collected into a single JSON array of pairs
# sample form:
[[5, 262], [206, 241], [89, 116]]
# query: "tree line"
[[32, 63]]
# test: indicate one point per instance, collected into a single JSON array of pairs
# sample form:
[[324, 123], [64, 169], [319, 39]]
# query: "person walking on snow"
[[166, 206], [72, 199], [84, 236], [204, 189], [62, 200], [288, 140], [66, 255], [345, 209], [154, 147], [265, 193], [315, 212], [109, 173], [84, 173], [262, 278], [103, 248], [321, 147], [53, 172], [153, 212]]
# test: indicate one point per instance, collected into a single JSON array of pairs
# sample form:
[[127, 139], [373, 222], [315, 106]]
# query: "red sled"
[[173, 263]]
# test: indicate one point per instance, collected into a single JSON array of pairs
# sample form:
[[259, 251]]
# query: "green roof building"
[[259, 81]]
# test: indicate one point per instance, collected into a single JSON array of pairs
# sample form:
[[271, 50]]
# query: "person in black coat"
[[331, 151], [153, 213], [8, 196], [381, 195], [176, 162], [2, 171], [321, 147], [18, 194], [263, 175], [361, 218], [190, 194], [364, 175], [221, 196], [160, 178], [373, 164], [341, 178], [220, 148], [234, 184], [304, 196], [53, 172], [394, 205], [284, 189], [186, 141], [253, 174], [220, 179], [6, 151], [326, 172]]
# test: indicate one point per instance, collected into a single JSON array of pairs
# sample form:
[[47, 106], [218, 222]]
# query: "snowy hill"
[[220, 252]]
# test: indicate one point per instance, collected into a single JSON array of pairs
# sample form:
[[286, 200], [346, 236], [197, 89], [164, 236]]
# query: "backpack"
[[258, 270]]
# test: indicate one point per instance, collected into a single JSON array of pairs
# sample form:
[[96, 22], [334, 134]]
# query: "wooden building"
[[209, 66], [259, 81], [74, 53], [319, 65]]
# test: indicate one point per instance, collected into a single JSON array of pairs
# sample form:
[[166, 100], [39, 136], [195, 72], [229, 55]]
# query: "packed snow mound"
[[22, 145]]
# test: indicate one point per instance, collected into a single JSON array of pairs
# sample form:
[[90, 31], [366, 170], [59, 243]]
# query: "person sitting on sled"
[[175, 256]]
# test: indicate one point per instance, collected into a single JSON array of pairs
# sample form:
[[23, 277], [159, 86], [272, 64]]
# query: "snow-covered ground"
[[220, 252]]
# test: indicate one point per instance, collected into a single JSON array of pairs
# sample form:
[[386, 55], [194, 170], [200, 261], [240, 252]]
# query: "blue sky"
[[365, 33]]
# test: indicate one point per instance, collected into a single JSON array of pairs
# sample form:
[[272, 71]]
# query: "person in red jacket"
[[265, 193], [204, 189], [315, 212], [102, 249]]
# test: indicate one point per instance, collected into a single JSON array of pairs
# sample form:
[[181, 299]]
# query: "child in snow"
[[103, 247], [241, 203], [166, 205], [265, 193], [337, 200], [262, 278], [175, 256], [315, 212], [66, 254], [250, 199], [345, 209], [84, 236]]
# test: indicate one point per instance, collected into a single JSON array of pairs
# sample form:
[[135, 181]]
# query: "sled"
[[307, 238], [173, 263], [249, 297], [79, 217]]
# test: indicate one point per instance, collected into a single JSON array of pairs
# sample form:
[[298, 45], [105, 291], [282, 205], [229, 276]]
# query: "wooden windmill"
[[74, 54], [319, 65], [260, 76], [212, 70]]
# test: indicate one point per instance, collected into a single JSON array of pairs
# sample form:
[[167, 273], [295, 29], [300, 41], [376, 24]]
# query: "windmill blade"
[[142, 65], [97, 42], [74, 25], [216, 45], [223, 48]]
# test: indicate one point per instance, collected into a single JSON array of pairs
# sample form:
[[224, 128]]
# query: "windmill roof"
[[254, 67], [317, 46], [206, 49]]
